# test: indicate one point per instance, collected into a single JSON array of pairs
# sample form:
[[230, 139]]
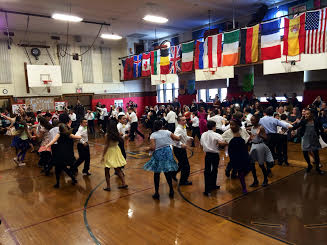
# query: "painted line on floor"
[[266, 224], [316, 226], [256, 190], [11, 233]]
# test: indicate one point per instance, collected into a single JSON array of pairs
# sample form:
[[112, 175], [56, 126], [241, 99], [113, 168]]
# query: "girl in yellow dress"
[[112, 156]]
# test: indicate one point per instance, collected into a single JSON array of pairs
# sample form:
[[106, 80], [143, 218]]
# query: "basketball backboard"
[[38, 73]]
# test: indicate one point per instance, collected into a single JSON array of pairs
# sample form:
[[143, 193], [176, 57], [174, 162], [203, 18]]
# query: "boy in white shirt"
[[89, 116], [195, 127], [83, 149], [209, 142], [122, 129], [134, 124]]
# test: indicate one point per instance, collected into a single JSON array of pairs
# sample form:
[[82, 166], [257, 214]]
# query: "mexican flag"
[[230, 48], [155, 62], [187, 56]]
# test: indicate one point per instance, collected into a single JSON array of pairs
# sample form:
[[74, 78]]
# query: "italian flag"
[[230, 48], [187, 56], [155, 62]]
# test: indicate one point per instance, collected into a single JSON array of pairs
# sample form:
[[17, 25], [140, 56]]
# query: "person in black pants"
[[209, 142], [195, 127], [90, 121], [134, 125], [181, 154], [83, 149]]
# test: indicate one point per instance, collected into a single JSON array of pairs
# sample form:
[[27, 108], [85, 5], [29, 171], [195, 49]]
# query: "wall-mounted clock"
[[36, 53], [5, 91]]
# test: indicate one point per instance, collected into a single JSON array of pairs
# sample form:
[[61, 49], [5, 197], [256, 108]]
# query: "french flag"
[[270, 40], [198, 59]]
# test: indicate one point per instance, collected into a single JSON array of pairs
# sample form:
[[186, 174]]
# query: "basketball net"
[[47, 84], [208, 74]]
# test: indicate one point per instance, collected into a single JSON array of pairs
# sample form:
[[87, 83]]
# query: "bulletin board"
[[40, 103]]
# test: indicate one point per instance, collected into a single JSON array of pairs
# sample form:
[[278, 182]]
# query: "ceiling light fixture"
[[156, 19], [65, 17], [111, 36]]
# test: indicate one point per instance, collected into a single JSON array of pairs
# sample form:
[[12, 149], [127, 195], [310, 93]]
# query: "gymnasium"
[[163, 122]]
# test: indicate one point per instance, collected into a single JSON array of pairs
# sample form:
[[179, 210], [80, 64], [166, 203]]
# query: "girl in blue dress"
[[162, 159]]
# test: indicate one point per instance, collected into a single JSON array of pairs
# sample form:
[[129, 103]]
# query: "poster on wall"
[[60, 105], [15, 108], [119, 103]]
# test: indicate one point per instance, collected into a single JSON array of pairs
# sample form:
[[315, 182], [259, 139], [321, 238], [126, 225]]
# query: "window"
[[279, 14], [208, 95], [166, 92], [280, 99], [212, 94]]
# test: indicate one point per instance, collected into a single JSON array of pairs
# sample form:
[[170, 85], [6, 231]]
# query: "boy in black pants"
[[210, 141]]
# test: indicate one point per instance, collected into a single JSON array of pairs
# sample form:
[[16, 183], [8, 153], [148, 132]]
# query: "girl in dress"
[[113, 157], [259, 151], [162, 159], [64, 153], [45, 153], [202, 120], [238, 153], [309, 131]]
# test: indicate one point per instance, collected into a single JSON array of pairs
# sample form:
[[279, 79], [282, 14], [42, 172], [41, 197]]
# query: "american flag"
[[175, 59], [315, 31]]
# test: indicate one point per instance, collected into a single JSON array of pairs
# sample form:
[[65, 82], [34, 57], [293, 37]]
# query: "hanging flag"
[[137, 67], [230, 49], [146, 65], [187, 56], [249, 45], [198, 59], [155, 62], [128, 68], [315, 31], [270, 40], [213, 51], [122, 75], [294, 36], [175, 59], [164, 61], [248, 82]]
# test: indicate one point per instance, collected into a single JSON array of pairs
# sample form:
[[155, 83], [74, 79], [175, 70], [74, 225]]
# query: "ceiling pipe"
[[49, 17]]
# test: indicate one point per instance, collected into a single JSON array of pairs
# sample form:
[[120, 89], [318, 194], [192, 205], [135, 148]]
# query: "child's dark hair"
[[55, 122], [44, 122], [283, 117], [64, 130], [157, 125], [211, 124], [112, 132], [120, 117], [195, 113]]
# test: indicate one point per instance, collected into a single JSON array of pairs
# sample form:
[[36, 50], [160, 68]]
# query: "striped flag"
[[270, 40], [294, 36], [155, 62], [187, 56], [315, 31], [198, 59], [213, 51], [230, 49], [249, 44], [164, 61]]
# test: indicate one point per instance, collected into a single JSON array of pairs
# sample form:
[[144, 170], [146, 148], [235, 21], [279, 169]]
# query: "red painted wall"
[[309, 95], [186, 99], [140, 101]]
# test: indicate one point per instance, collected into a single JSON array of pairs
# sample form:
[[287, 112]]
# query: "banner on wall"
[[214, 74], [60, 105], [119, 103], [162, 79], [191, 86]]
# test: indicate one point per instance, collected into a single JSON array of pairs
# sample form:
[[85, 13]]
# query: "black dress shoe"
[[320, 172], [206, 193], [186, 183], [255, 184], [264, 183], [308, 169], [171, 194], [217, 187], [227, 173], [156, 196], [56, 186], [86, 173], [287, 164]]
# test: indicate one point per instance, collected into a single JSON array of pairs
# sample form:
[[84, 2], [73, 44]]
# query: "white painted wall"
[[18, 88]]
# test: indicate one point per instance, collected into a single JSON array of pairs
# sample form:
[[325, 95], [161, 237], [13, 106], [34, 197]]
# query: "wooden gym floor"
[[291, 210]]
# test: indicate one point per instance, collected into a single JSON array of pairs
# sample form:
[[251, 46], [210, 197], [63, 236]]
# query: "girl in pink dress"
[[202, 120]]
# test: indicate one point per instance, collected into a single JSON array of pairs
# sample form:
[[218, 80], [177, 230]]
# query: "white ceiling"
[[125, 15]]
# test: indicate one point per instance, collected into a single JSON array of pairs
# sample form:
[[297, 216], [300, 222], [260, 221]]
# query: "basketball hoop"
[[208, 74], [47, 84]]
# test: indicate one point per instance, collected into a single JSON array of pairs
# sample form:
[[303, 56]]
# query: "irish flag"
[[294, 36], [155, 62], [187, 56], [230, 48]]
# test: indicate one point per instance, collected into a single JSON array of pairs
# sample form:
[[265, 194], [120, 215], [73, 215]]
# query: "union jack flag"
[[175, 59]]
